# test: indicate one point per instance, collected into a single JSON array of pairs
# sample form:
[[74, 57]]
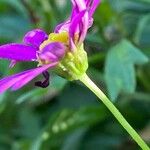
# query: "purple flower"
[[56, 50], [79, 21], [48, 57]]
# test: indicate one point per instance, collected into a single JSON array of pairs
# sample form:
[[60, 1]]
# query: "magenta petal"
[[84, 28], [53, 52], [18, 52], [31, 75], [75, 10], [88, 2], [93, 7], [7, 82], [18, 80], [35, 37], [62, 27], [86, 22], [75, 25], [81, 4]]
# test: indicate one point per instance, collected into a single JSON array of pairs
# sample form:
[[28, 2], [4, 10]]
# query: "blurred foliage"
[[67, 116]]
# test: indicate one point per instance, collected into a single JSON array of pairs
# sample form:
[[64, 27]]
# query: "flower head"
[[75, 63], [62, 50]]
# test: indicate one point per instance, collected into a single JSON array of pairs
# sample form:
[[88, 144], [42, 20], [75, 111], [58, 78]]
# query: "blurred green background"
[[66, 115]]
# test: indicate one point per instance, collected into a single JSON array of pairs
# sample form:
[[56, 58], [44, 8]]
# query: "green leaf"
[[3, 72], [130, 5], [67, 120], [119, 68], [142, 34], [16, 4], [3, 67], [29, 123], [13, 27], [74, 140]]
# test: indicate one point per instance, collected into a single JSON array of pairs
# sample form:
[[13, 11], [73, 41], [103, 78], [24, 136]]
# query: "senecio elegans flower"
[[61, 50]]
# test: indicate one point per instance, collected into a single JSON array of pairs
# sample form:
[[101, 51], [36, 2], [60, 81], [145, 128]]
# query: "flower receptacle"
[[73, 65]]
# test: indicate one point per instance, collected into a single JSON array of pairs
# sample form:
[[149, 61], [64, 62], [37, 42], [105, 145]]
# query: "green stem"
[[87, 81]]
